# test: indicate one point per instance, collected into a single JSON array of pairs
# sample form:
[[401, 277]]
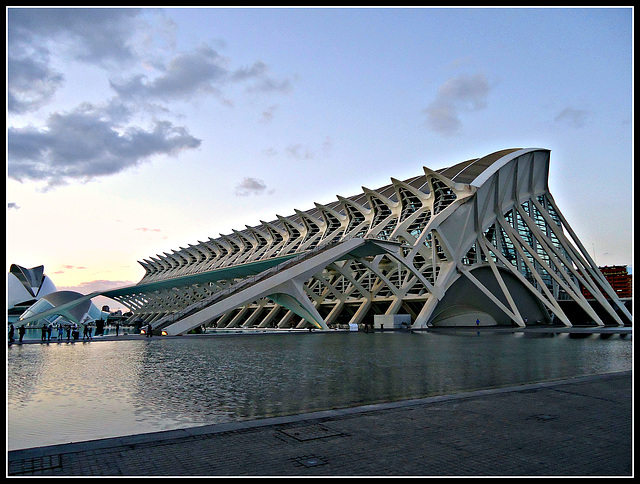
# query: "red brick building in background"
[[619, 279]]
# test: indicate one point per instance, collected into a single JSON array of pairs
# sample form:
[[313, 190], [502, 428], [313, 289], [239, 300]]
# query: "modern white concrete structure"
[[25, 287], [482, 242], [60, 308]]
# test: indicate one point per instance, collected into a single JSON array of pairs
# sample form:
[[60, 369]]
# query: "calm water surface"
[[60, 393]]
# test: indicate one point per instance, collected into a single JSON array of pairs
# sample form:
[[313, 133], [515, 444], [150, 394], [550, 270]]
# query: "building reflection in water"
[[61, 393]]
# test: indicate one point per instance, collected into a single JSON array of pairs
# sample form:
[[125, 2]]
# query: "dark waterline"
[[83, 391]]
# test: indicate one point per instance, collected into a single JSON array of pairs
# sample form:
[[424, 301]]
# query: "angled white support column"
[[235, 322], [223, 320], [491, 296], [425, 313], [284, 321], [548, 301], [291, 295], [395, 306], [517, 318], [255, 315], [335, 312], [361, 312], [266, 321], [581, 255]]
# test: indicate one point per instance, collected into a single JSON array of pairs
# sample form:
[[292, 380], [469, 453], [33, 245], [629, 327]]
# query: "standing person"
[[117, 328], [21, 331], [68, 332], [60, 330], [43, 336], [85, 332], [49, 329], [149, 330], [12, 332]]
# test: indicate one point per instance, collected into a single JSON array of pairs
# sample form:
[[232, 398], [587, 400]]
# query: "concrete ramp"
[[283, 284]]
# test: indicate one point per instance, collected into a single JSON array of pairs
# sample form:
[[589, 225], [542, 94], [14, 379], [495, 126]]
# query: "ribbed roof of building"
[[469, 170]]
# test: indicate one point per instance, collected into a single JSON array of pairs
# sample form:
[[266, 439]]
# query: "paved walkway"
[[576, 427]]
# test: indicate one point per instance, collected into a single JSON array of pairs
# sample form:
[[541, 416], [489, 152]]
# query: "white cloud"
[[87, 143], [298, 152], [250, 186], [201, 71], [458, 95], [268, 113], [575, 118]]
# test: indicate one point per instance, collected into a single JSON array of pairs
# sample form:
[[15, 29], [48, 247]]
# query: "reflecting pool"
[[60, 393]]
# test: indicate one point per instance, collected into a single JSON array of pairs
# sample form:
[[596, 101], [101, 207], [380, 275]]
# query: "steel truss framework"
[[481, 242]]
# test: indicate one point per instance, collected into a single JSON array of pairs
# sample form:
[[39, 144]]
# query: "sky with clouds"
[[133, 132]]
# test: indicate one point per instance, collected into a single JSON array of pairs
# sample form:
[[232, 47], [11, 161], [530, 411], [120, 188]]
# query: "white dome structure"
[[25, 287]]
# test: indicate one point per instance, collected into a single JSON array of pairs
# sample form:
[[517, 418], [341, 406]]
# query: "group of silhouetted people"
[[12, 332], [21, 332], [72, 331]]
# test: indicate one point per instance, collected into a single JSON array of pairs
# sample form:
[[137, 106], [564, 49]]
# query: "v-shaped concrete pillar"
[[293, 297]]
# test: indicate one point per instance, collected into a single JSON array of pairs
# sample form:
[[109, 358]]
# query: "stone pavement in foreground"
[[576, 427]]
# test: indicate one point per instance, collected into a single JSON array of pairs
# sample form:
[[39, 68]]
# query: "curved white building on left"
[[25, 287], [65, 309]]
